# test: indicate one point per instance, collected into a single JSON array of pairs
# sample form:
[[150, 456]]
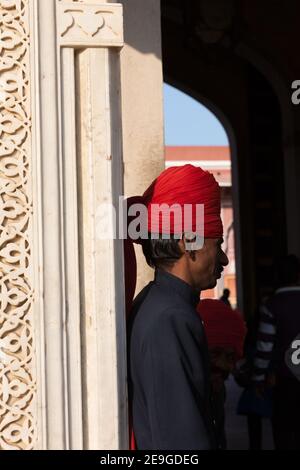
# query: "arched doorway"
[[193, 134], [210, 69]]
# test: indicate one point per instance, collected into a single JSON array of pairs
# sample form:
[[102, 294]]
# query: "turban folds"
[[224, 327], [182, 186]]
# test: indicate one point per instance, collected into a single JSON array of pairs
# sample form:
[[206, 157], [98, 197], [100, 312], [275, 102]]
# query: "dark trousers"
[[255, 431], [286, 414]]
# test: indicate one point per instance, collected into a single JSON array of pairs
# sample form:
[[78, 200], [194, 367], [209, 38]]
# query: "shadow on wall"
[[142, 20]]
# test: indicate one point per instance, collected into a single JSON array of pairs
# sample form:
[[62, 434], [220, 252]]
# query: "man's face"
[[206, 264]]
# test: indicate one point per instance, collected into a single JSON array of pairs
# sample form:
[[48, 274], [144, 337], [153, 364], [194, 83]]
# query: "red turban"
[[184, 185], [224, 326]]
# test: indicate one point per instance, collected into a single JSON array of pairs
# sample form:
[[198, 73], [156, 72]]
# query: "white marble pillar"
[[62, 321], [18, 385]]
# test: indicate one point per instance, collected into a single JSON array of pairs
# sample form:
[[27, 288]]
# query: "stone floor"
[[236, 426]]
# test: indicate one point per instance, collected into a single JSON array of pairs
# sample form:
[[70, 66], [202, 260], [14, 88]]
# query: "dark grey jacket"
[[169, 385]]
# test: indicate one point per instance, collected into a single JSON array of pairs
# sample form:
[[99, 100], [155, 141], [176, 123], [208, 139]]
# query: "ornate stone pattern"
[[18, 427], [82, 24]]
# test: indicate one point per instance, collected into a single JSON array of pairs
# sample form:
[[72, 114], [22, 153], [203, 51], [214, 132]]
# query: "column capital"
[[81, 25]]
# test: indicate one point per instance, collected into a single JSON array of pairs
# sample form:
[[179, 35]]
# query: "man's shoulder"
[[157, 299], [158, 311]]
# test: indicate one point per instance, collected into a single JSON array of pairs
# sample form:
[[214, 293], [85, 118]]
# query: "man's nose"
[[224, 259]]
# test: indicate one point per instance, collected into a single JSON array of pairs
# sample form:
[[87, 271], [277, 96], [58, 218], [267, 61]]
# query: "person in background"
[[279, 327], [225, 330], [256, 407], [225, 297]]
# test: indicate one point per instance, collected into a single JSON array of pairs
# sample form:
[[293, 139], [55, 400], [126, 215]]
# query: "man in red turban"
[[169, 371], [225, 331]]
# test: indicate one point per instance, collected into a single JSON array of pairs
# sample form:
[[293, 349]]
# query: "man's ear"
[[181, 245], [185, 248], [192, 241]]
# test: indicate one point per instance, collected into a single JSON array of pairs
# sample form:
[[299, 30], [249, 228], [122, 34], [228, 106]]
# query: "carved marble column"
[[18, 388], [62, 322]]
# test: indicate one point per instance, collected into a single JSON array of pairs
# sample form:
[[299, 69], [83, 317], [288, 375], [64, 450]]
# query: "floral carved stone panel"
[[17, 367]]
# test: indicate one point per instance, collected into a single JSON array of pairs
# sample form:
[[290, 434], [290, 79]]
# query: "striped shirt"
[[278, 327]]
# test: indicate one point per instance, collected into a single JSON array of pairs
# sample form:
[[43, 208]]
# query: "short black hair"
[[161, 252]]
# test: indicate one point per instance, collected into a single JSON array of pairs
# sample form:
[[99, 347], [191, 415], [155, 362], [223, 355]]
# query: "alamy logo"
[[296, 354], [296, 94], [292, 357], [120, 222]]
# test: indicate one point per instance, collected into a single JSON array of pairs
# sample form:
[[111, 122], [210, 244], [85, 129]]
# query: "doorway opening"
[[193, 134]]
